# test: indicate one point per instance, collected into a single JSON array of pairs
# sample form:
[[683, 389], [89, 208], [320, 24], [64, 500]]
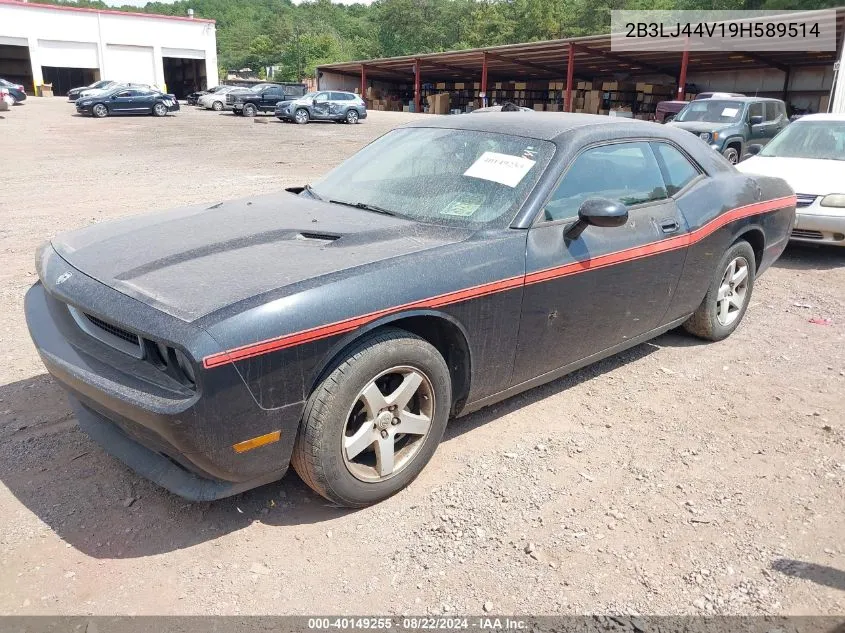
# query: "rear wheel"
[[217, 106], [159, 109], [375, 421], [100, 111], [249, 110], [727, 298], [352, 116], [301, 116]]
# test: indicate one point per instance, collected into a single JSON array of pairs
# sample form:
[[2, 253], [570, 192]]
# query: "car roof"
[[741, 99], [548, 126], [822, 116]]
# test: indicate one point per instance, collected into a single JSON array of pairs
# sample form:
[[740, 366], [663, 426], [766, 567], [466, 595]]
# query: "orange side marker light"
[[261, 440]]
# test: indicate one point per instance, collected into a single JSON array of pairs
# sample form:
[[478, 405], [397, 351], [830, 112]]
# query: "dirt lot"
[[677, 477]]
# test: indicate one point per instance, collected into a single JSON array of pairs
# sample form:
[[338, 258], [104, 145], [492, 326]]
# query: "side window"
[[755, 109], [322, 97], [627, 172], [775, 112], [126, 93], [273, 92], [677, 167]]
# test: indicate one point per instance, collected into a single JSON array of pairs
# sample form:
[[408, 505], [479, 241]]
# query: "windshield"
[[809, 139], [100, 84], [455, 177], [711, 111]]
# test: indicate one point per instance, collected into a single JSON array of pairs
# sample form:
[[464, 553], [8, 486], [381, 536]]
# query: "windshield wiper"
[[313, 193], [366, 207]]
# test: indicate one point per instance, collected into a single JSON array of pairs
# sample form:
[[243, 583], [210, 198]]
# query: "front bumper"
[[150, 416], [815, 224]]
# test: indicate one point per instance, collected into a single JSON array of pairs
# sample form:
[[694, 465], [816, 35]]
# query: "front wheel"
[[249, 110], [352, 116], [732, 155], [217, 106], [159, 109], [100, 111], [374, 422], [727, 297], [301, 116]]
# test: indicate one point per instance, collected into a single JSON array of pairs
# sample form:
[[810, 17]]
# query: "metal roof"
[[592, 58]]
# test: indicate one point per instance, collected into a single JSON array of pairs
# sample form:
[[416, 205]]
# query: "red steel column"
[[417, 91], [570, 72], [682, 79], [363, 81], [484, 80]]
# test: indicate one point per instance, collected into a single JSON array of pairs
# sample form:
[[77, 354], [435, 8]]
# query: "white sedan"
[[216, 100], [810, 155]]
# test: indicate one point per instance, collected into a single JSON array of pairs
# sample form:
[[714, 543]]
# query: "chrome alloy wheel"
[[387, 424], [733, 291]]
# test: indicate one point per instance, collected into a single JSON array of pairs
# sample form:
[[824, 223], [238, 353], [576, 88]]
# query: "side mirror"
[[754, 149], [598, 212], [756, 120]]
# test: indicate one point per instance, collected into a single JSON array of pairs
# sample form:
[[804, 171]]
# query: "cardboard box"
[[539, 107], [441, 85], [553, 107], [459, 85], [520, 85]]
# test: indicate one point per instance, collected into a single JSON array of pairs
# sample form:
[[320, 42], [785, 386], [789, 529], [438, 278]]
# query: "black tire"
[[301, 116], [159, 109], [100, 111], [249, 110], [732, 154], [352, 116], [217, 106], [318, 452], [705, 322]]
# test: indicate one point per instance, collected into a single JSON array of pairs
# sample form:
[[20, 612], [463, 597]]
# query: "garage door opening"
[[15, 66], [183, 76], [63, 79]]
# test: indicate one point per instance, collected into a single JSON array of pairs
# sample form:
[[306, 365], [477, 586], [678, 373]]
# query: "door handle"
[[669, 225]]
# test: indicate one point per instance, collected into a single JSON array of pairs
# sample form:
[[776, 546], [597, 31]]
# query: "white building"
[[73, 46]]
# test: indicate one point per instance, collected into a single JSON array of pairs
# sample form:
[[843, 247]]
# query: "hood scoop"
[[313, 236]]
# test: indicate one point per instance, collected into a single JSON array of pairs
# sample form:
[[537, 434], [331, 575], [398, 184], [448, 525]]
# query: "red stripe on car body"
[[602, 261]]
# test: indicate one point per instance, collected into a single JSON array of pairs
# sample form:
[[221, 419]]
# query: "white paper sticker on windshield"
[[502, 168], [730, 111]]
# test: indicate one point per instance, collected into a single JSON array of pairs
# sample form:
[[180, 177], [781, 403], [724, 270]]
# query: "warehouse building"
[[69, 46], [585, 75]]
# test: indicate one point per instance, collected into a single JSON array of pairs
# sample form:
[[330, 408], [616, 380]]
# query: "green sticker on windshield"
[[464, 206]]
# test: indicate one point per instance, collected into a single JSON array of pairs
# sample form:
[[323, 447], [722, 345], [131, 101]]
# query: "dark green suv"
[[730, 125]]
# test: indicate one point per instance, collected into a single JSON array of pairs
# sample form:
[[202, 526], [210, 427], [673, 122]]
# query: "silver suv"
[[325, 105]]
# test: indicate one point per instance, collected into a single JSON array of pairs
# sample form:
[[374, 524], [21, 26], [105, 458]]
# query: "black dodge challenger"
[[451, 263]]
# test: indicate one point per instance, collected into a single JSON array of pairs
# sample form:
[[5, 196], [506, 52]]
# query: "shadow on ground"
[[819, 574], [800, 256], [97, 505]]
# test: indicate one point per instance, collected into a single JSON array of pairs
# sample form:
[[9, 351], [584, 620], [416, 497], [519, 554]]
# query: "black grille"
[[804, 200], [807, 234], [126, 335]]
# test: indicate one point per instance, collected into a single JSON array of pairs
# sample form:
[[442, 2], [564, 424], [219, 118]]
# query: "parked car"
[[5, 99], [74, 93], [446, 266], [729, 125], [262, 98], [810, 156], [217, 100], [127, 100], [498, 108], [16, 91], [345, 107]]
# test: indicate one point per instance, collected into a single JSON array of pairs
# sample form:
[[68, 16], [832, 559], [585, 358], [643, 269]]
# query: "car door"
[[606, 286], [338, 102], [321, 106], [270, 97], [756, 120], [122, 102]]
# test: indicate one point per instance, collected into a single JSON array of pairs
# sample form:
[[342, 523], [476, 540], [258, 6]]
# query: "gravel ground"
[[675, 478]]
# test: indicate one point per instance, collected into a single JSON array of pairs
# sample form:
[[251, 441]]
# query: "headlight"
[[834, 200], [705, 136]]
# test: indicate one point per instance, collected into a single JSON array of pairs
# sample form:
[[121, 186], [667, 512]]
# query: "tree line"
[[299, 37]]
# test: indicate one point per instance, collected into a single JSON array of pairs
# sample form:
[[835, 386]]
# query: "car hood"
[[700, 126], [810, 176], [191, 262]]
